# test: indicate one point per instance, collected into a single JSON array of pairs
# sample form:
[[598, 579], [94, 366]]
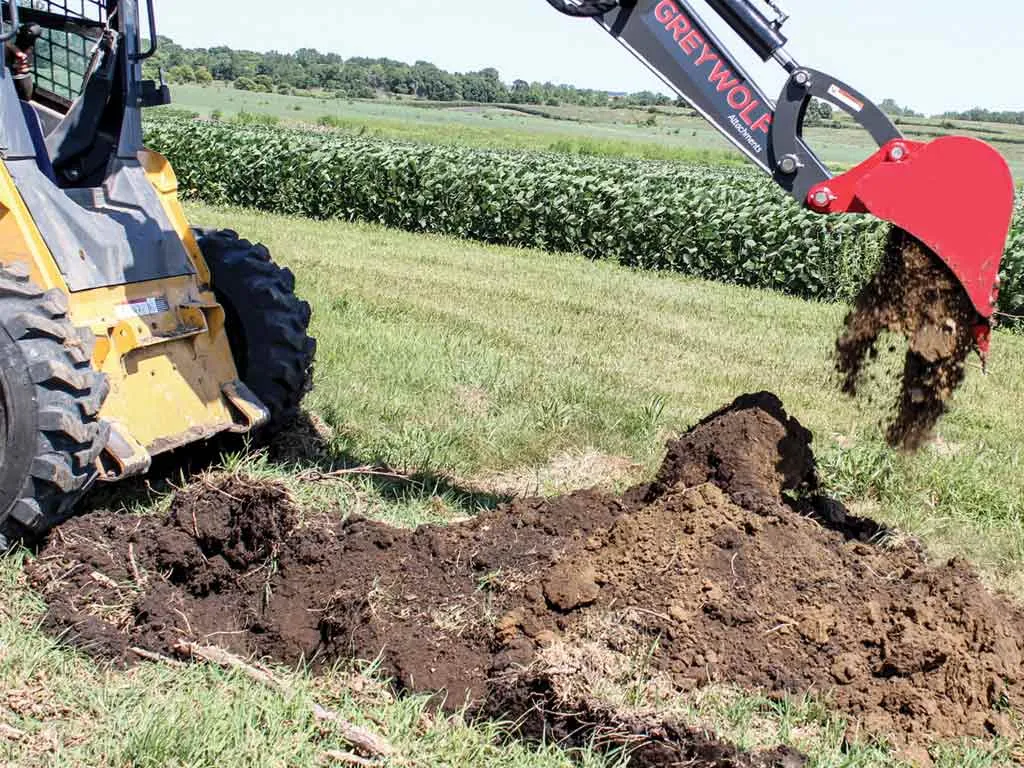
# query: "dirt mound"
[[916, 295], [711, 568], [750, 449]]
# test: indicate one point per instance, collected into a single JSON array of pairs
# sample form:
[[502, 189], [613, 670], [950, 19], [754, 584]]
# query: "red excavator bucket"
[[954, 194]]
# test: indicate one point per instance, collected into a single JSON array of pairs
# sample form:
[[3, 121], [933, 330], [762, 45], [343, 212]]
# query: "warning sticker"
[[845, 97], [153, 305]]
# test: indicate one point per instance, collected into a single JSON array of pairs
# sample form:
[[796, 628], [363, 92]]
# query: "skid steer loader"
[[124, 333]]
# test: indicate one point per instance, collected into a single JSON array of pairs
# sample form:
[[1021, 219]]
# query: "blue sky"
[[930, 54]]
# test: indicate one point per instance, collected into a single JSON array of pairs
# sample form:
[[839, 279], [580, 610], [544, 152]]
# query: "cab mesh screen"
[[62, 56]]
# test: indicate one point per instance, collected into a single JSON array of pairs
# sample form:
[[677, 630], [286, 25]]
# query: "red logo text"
[[737, 94]]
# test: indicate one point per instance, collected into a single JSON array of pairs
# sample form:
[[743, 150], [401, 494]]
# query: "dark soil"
[[738, 581], [751, 449], [916, 295]]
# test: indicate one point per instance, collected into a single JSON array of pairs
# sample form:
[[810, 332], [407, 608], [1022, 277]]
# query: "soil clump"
[[727, 567], [916, 295]]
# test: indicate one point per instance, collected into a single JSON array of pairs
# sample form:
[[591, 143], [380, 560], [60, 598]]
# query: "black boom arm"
[[671, 38]]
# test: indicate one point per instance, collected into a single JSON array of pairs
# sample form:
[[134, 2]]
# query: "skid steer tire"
[[50, 398], [266, 322]]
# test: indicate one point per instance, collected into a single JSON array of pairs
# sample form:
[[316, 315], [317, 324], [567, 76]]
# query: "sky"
[[931, 55]]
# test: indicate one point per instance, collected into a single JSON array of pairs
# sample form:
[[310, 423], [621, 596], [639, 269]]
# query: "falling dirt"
[[727, 567], [916, 295]]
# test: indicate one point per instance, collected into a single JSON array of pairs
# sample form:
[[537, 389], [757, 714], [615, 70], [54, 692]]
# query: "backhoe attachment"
[[954, 194], [950, 201]]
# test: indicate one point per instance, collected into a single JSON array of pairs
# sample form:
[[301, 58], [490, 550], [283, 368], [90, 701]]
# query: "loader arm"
[[954, 194]]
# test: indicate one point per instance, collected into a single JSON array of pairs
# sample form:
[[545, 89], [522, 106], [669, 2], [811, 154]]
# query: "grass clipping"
[[914, 294]]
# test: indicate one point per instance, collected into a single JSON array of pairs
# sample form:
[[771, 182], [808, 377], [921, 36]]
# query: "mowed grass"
[[449, 357], [662, 133], [454, 361]]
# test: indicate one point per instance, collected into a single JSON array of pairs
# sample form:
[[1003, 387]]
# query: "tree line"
[[987, 116], [365, 78]]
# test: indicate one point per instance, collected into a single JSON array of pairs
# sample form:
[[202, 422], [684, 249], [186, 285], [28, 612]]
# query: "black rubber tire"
[[267, 324], [50, 399]]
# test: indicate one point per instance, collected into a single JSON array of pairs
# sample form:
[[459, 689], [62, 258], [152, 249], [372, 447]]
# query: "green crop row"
[[731, 225], [1011, 297]]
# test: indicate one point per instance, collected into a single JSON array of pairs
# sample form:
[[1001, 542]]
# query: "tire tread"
[[65, 396], [268, 324]]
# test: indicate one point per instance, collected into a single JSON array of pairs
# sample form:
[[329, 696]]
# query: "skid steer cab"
[[124, 333]]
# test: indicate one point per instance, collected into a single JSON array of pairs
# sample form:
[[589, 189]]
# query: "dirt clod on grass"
[[916, 295], [726, 569]]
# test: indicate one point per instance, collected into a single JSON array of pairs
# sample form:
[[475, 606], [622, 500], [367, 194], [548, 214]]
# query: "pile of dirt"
[[751, 449], [916, 295], [726, 568]]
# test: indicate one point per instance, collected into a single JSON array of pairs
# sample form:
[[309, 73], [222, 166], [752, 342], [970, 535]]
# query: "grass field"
[[665, 133], [475, 368], [448, 357]]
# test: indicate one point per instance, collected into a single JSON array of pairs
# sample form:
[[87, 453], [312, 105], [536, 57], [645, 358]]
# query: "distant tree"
[[647, 99], [181, 73], [365, 78], [263, 83], [817, 113], [890, 107], [221, 64], [519, 94], [484, 86], [979, 114]]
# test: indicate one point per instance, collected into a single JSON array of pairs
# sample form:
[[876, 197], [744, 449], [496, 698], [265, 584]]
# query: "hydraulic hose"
[[586, 9]]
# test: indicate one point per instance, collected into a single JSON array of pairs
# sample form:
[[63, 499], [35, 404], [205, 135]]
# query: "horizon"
[[507, 80], [926, 55]]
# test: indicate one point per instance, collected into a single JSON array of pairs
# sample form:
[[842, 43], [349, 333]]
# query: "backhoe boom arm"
[[672, 39], [954, 194]]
